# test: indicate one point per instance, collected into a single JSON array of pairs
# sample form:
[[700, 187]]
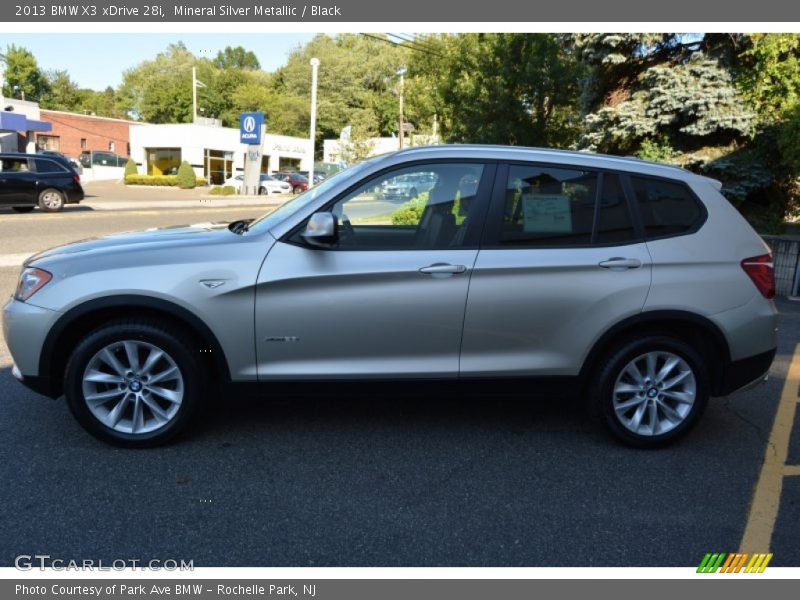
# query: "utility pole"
[[401, 72], [194, 94], [313, 132]]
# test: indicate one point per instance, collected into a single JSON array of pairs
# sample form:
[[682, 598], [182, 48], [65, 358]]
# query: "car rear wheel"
[[297, 189], [262, 191], [22, 209], [134, 383], [650, 391], [51, 200]]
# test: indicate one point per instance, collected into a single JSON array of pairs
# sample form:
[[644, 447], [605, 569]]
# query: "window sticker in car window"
[[546, 213]]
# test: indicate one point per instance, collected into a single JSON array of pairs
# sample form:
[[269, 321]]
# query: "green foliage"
[[506, 88], [222, 190], [160, 180], [768, 74], [789, 141], [656, 150], [409, 213], [236, 58], [22, 75], [186, 176], [130, 168]]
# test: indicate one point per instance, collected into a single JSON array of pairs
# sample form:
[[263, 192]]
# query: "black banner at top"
[[453, 11]]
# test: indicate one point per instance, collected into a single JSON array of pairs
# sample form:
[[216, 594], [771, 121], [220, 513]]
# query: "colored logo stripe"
[[734, 562]]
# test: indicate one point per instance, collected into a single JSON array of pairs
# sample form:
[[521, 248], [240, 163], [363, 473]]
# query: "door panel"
[[561, 261], [386, 297], [338, 315], [539, 311]]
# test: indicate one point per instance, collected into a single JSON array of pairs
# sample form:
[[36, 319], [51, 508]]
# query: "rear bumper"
[[741, 374]]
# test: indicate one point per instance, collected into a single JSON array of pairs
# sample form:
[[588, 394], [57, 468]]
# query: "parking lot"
[[380, 476]]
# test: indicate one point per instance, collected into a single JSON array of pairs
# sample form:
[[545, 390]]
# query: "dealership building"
[[213, 151]]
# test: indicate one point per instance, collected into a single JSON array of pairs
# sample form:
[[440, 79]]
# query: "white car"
[[267, 185]]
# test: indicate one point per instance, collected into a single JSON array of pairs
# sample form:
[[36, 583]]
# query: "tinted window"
[[14, 165], [667, 208], [614, 223], [548, 206], [388, 213], [44, 165]]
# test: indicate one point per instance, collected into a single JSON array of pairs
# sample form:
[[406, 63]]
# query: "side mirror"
[[320, 229]]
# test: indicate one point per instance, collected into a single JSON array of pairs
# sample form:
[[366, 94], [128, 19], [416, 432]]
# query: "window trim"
[[472, 237], [490, 239], [634, 201]]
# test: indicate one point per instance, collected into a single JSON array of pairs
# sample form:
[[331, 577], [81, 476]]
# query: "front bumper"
[[25, 327]]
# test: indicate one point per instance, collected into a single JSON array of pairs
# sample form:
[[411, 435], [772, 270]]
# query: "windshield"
[[299, 202]]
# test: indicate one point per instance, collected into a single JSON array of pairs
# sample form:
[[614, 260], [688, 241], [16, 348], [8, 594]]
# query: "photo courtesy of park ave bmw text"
[[410, 300]]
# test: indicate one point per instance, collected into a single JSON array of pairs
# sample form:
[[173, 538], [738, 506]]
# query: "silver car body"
[[322, 314]]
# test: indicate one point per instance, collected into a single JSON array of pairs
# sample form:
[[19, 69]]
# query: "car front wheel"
[[650, 391], [133, 383]]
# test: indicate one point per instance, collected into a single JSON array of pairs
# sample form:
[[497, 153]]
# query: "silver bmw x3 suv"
[[634, 285]]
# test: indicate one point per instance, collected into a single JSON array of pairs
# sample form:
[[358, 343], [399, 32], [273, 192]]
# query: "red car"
[[298, 182]]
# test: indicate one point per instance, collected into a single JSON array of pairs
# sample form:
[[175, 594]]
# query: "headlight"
[[31, 280]]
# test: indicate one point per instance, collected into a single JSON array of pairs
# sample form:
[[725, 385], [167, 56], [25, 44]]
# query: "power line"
[[406, 37], [398, 44]]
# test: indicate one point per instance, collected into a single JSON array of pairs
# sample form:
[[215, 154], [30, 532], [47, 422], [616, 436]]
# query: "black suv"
[[30, 180]]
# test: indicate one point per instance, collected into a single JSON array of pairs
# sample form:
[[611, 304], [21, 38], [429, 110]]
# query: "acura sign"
[[250, 125]]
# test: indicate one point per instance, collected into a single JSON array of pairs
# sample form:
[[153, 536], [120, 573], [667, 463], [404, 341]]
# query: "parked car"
[[318, 177], [407, 187], [67, 161], [90, 158], [267, 185], [634, 285], [298, 182], [31, 180]]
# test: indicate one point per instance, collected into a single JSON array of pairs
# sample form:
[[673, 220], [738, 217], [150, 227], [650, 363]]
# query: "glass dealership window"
[[161, 160], [48, 142]]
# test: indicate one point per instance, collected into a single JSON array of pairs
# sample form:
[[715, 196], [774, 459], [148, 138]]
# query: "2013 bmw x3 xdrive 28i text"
[[636, 284]]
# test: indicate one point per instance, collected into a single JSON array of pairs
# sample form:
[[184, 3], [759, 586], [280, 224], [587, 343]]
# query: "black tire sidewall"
[[158, 335], [601, 398], [44, 207]]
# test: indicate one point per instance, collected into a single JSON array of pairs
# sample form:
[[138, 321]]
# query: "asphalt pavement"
[[378, 476]]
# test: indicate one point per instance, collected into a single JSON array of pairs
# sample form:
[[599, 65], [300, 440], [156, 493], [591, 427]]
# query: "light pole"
[[313, 132], [196, 83], [401, 72]]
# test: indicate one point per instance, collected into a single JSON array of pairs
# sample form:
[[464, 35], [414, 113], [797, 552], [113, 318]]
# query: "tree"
[[768, 74], [236, 58], [497, 88], [63, 92], [160, 90], [357, 73], [23, 76]]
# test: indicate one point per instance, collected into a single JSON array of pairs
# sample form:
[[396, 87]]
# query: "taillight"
[[76, 178], [762, 271]]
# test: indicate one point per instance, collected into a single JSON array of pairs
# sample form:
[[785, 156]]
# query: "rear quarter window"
[[667, 208]]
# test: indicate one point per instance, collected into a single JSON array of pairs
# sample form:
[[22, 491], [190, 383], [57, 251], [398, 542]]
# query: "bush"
[[166, 180], [130, 168], [409, 213], [219, 190], [186, 177]]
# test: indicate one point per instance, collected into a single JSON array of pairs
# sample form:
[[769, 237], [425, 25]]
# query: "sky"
[[98, 60]]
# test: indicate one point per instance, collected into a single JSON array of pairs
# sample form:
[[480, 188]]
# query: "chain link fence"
[[786, 255]]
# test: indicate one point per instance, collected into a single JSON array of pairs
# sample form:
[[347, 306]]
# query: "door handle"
[[620, 264], [443, 269]]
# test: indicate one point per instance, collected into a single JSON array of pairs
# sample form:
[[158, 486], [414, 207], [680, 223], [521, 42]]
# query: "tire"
[[262, 191], [413, 193], [180, 393], [622, 390], [296, 190], [51, 200], [22, 209]]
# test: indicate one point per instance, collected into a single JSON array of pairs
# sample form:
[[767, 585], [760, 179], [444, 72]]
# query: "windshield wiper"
[[240, 226]]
